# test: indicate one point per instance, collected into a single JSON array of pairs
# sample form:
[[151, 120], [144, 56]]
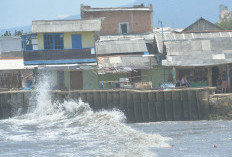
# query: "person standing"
[[184, 81], [224, 82]]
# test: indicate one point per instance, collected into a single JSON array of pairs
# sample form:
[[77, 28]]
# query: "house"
[[67, 48], [127, 58], [13, 73], [122, 20], [128, 22], [126, 36], [202, 51]]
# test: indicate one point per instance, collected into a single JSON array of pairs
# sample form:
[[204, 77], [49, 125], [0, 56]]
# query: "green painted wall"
[[157, 76], [67, 79], [87, 40], [90, 79]]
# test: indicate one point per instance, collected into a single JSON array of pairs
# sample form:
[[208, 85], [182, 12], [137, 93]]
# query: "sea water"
[[73, 129]]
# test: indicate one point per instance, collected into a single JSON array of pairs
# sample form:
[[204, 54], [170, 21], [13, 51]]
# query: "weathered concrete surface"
[[137, 105], [220, 106]]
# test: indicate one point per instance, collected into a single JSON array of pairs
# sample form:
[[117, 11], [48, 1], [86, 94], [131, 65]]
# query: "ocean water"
[[72, 129]]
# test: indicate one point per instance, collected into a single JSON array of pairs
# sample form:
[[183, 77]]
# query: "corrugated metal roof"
[[132, 61], [120, 46], [202, 25], [187, 36], [199, 52], [51, 26], [148, 37]]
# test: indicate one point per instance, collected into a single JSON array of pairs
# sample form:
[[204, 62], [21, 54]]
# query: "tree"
[[18, 33], [7, 33], [226, 24]]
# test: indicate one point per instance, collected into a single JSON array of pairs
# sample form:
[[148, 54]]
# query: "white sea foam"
[[75, 130]]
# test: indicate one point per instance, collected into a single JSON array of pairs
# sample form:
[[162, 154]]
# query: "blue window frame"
[[53, 41]]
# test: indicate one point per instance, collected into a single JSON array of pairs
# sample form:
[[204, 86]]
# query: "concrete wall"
[[157, 76], [88, 40], [53, 26], [67, 79], [90, 79], [138, 106], [10, 44]]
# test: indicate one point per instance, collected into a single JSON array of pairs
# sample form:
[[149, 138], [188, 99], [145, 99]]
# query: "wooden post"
[[228, 75], [210, 83]]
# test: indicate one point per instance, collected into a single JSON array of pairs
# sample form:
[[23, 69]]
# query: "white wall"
[[10, 44]]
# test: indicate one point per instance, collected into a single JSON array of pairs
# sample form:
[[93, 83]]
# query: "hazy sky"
[[14, 13]]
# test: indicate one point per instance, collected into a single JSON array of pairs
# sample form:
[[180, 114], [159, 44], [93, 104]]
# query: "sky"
[[15, 13]]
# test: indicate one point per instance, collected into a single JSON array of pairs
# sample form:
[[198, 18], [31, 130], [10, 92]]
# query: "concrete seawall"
[[138, 106]]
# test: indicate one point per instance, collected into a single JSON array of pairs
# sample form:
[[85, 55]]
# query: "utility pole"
[[161, 24]]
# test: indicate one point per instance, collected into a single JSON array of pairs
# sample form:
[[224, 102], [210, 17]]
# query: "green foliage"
[[18, 33], [7, 33], [227, 24]]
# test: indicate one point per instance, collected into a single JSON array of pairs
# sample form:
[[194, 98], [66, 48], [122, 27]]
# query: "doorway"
[[215, 76]]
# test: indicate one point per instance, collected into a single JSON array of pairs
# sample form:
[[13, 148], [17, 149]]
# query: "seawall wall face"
[[220, 106], [137, 105]]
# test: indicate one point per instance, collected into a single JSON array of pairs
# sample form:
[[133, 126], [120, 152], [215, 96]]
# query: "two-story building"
[[128, 22], [13, 73], [126, 35], [67, 48]]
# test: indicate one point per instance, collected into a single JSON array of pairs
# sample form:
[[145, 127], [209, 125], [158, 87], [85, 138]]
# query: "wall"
[[40, 41], [88, 40], [138, 106], [157, 76], [54, 78], [10, 44], [139, 21], [90, 79], [67, 79]]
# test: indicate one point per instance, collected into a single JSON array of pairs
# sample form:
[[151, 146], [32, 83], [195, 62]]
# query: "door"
[[76, 81], [215, 76], [76, 41]]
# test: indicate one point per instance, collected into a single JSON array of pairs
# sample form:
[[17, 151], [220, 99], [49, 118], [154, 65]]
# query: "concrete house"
[[123, 20], [202, 51], [13, 73], [67, 48], [126, 36], [128, 22]]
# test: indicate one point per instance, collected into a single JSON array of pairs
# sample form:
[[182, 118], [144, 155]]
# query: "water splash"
[[73, 128]]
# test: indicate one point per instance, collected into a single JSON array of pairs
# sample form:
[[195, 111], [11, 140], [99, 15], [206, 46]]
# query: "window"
[[124, 28], [53, 41]]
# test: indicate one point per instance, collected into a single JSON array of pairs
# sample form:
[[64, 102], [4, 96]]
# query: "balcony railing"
[[66, 56]]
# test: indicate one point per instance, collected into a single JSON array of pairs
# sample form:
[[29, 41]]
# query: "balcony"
[[65, 56]]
